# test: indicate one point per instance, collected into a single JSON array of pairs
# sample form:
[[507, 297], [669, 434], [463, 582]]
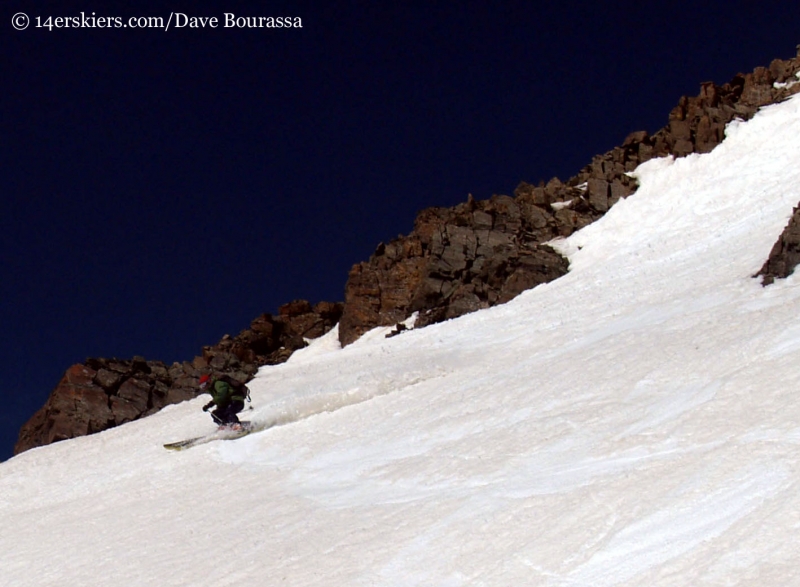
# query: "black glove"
[[208, 406]]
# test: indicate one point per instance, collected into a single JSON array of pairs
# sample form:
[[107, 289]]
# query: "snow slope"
[[633, 423]]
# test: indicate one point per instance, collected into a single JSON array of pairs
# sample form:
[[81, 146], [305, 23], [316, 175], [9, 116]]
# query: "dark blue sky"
[[162, 188]]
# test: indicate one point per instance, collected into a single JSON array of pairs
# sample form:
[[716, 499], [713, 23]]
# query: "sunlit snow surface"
[[636, 422]]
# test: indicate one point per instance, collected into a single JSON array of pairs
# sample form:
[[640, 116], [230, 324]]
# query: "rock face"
[[270, 340], [483, 253], [785, 254], [456, 260], [103, 393]]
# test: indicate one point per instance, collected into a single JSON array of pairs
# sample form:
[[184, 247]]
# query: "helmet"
[[204, 381]]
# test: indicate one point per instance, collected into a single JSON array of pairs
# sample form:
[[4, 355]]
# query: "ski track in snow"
[[633, 423]]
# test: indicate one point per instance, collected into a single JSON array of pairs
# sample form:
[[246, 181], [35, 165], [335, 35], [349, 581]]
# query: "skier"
[[228, 398]]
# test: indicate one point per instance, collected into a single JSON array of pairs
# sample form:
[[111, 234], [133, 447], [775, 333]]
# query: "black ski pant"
[[227, 414]]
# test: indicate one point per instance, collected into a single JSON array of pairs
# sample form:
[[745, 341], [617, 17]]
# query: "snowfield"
[[635, 423]]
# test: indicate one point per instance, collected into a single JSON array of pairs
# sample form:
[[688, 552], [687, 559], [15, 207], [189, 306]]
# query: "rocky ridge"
[[102, 393], [481, 253], [785, 254], [455, 260]]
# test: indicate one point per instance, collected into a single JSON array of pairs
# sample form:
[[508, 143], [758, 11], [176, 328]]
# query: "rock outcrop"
[[102, 393], [482, 253], [270, 340], [785, 254], [455, 260]]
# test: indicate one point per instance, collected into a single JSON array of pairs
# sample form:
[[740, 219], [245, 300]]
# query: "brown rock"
[[124, 410], [683, 147], [178, 394], [646, 152], [108, 380], [709, 94], [80, 375], [200, 363], [329, 311], [619, 190], [635, 138], [680, 130], [455, 260], [137, 392], [778, 69], [525, 192], [77, 406], [785, 254], [598, 191], [471, 255], [295, 308]]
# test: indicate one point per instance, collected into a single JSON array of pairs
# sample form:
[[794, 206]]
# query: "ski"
[[224, 433]]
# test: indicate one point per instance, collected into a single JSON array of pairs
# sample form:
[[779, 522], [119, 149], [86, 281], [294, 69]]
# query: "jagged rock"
[[294, 309], [541, 265], [108, 380], [158, 370], [76, 407], [455, 260], [460, 260], [269, 337], [598, 190], [115, 365], [124, 410], [139, 365], [635, 138], [158, 396], [103, 393], [785, 254], [179, 393], [469, 257], [137, 392]]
